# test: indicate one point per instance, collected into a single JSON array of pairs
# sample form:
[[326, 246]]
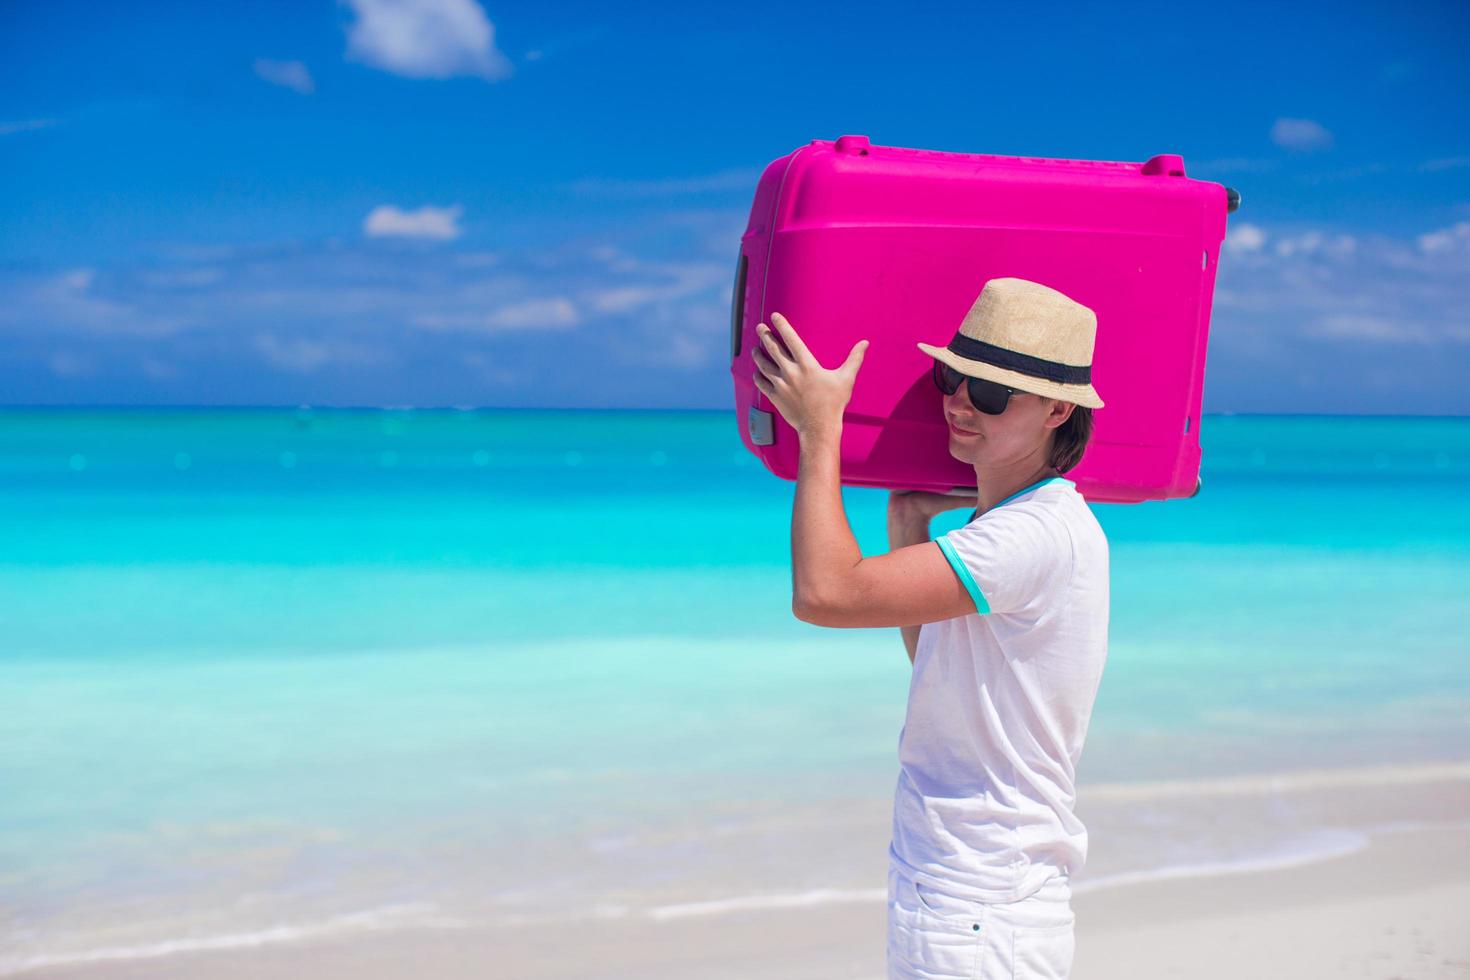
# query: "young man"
[[1005, 621]]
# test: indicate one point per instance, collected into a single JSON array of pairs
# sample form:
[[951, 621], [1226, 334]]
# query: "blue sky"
[[439, 202]]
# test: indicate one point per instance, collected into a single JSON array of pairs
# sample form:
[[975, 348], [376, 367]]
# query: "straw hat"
[[1027, 336]]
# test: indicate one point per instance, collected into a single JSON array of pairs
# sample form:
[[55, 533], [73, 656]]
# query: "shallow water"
[[319, 657]]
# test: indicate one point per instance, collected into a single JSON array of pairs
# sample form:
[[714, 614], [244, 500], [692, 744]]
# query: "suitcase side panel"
[[747, 310]]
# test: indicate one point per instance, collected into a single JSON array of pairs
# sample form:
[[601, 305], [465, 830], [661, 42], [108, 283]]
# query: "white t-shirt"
[[1000, 700]]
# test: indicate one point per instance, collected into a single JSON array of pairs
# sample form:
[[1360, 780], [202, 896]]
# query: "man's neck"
[[995, 488]]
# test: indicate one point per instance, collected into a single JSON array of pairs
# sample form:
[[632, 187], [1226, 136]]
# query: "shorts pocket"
[[948, 911], [942, 942]]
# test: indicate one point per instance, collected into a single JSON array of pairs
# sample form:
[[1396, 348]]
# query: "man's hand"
[[908, 507], [808, 396]]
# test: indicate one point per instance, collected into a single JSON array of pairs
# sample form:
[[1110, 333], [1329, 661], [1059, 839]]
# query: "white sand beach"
[[1387, 896]]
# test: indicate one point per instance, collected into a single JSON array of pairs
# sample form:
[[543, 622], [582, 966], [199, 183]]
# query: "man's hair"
[[1069, 440]]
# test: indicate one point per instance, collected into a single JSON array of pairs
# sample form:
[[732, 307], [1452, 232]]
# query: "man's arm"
[[907, 528], [832, 583], [823, 548]]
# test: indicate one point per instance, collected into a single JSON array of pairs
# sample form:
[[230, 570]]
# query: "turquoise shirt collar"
[[1039, 483]]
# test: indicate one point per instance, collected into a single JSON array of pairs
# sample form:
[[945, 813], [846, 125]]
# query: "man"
[[1005, 621]]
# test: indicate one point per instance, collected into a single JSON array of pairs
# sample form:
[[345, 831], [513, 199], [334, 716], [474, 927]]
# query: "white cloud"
[[303, 355], [688, 278], [72, 300], [614, 258], [1354, 326], [1357, 293], [1300, 134], [688, 335], [288, 74], [686, 351], [535, 314], [24, 125], [621, 299], [1445, 239], [1316, 242], [307, 313], [425, 38], [549, 313], [387, 220], [1244, 237]]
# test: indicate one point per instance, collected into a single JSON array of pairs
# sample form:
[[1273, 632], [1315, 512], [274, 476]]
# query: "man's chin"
[[963, 453]]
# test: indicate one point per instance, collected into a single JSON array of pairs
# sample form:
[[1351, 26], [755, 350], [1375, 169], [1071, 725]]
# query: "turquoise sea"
[[273, 666]]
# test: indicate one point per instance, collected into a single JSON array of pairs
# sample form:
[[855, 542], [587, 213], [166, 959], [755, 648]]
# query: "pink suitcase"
[[849, 240]]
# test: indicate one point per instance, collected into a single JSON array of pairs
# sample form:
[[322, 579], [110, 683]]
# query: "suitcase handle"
[[1164, 164], [737, 305]]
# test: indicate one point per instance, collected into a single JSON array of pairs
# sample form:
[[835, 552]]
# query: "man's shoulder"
[[1062, 507], [1056, 505], [1059, 498]]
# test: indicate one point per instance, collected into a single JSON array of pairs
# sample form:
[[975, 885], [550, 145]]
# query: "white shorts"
[[932, 935]]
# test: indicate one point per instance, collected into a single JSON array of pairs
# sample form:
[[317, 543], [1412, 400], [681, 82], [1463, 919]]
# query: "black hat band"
[[1036, 367]]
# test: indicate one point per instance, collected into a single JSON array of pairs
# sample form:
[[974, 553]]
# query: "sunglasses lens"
[[988, 396], [946, 378]]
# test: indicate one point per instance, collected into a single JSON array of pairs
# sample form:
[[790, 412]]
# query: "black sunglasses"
[[987, 396]]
